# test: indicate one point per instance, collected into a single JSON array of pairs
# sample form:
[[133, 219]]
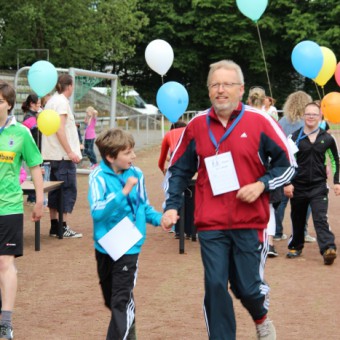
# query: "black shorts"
[[11, 234], [65, 171]]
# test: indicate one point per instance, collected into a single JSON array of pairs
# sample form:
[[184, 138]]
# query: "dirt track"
[[59, 296]]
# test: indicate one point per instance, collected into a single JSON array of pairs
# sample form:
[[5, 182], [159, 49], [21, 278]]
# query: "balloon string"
[[264, 59], [162, 80], [323, 91], [317, 90]]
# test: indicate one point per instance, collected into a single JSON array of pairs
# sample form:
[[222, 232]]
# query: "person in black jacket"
[[309, 186]]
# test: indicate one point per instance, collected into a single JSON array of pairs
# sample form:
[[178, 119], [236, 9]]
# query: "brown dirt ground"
[[59, 295]]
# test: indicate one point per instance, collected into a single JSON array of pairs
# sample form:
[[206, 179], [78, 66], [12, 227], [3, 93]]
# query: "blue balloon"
[[253, 9], [307, 58], [42, 77], [172, 100]]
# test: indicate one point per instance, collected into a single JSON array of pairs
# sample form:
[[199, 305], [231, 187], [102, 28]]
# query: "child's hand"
[[169, 218], [130, 183]]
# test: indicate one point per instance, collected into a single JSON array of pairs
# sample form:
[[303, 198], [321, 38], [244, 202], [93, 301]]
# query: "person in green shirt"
[[16, 145]]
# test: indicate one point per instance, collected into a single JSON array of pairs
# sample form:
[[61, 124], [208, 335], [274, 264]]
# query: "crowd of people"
[[267, 160]]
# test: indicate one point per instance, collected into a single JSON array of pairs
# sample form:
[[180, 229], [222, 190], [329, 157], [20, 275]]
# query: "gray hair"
[[227, 65]]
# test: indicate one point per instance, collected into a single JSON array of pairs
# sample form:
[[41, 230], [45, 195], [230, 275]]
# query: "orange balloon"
[[330, 107]]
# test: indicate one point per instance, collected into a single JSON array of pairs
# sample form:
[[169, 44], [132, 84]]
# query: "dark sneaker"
[[329, 256], [292, 253], [176, 236], [272, 251], [266, 330], [6, 332], [53, 232], [68, 233]]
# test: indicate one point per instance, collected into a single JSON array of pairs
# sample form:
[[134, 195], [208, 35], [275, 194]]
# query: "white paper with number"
[[123, 236], [222, 174]]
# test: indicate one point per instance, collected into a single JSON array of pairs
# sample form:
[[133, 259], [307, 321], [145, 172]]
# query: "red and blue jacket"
[[255, 141]]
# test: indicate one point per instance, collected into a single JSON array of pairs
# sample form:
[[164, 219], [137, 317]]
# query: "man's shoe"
[[266, 330], [329, 256], [6, 332], [272, 251], [292, 253], [67, 232], [309, 239]]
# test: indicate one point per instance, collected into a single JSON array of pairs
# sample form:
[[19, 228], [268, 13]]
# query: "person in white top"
[[257, 99], [62, 150], [269, 107]]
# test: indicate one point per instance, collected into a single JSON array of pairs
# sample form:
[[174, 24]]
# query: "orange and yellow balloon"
[[328, 66], [48, 122], [330, 107]]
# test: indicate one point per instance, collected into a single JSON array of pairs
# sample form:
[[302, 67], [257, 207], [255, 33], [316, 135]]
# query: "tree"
[[80, 33]]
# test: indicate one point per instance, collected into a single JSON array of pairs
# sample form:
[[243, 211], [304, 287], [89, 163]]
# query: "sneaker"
[[309, 239], [6, 332], [292, 253], [68, 233], [176, 236], [329, 256], [279, 238], [93, 166], [272, 251], [266, 330]]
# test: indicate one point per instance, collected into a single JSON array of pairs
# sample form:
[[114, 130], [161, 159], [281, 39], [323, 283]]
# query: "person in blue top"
[[117, 190]]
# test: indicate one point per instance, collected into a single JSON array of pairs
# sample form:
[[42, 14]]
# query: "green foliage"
[[93, 34]]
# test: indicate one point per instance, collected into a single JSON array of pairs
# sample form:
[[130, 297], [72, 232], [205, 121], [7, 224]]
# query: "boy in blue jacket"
[[117, 190]]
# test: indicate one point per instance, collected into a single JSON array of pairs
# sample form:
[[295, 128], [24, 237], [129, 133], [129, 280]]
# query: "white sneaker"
[[69, 233], [309, 239], [266, 330]]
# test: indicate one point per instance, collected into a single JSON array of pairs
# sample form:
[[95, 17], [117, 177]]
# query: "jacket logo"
[[244, 135]]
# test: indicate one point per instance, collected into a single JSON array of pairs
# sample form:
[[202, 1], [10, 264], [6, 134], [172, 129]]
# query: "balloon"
[[307, 58], [42, 77], [337, 74], [253, 9], [172, 100], [328, 66], [330, 107], [159, 56], [48, 122]]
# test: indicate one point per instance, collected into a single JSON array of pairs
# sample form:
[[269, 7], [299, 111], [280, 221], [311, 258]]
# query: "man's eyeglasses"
[[216, 86], [311, 115]]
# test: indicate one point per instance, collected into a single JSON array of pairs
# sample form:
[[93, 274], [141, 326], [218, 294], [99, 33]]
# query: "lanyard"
[[3, 127], [227, 133], [300, 137], [134, 211]]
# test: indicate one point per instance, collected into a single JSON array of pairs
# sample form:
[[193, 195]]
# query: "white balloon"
[[159, 56]]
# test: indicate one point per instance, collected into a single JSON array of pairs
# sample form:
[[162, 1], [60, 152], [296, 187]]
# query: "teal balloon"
[[253, 9], [172, 100], [42, 77], [307, 58]]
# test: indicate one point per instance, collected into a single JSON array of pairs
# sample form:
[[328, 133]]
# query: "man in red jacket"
[[230, 146]]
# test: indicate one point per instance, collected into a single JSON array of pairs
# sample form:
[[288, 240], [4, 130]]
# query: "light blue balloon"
[[307, 58], [172, 100], [253, 9], [42, 77]]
